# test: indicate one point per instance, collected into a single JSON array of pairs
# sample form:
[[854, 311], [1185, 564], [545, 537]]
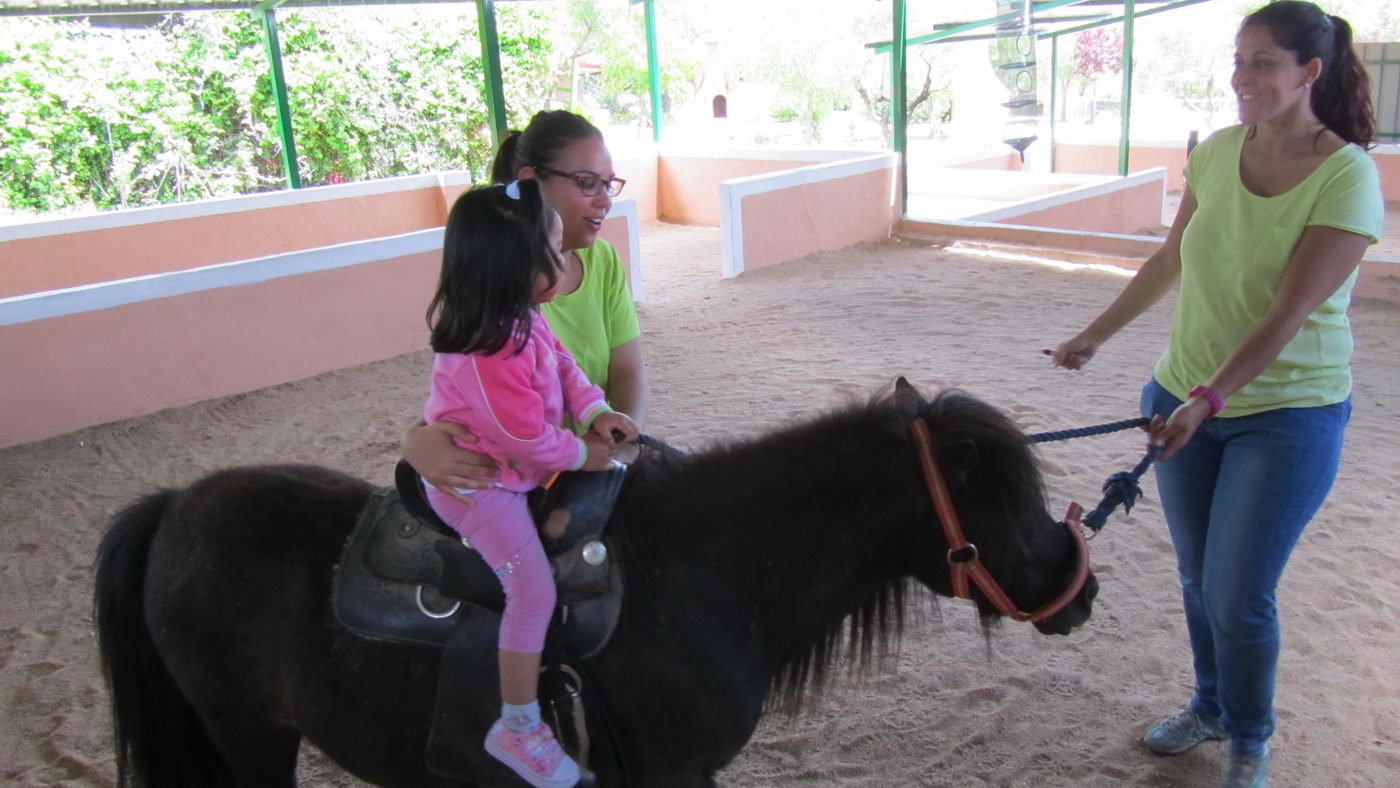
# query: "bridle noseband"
[[965, 562]]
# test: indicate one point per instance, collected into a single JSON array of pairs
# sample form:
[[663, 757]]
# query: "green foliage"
[[74, 123], [122, 118], [616, 37]]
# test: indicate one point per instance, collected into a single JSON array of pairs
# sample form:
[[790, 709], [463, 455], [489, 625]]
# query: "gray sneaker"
[[1248, 771], [1177, 734]]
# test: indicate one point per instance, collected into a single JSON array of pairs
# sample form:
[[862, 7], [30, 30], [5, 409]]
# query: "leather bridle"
[[964, 560]]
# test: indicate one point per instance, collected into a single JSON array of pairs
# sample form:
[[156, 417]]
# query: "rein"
[[964, 560]]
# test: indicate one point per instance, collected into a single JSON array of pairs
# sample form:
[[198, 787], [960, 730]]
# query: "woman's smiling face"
[[582, 216], [1267, 80]]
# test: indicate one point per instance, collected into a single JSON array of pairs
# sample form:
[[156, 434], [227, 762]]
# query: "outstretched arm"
[[1153, 280]]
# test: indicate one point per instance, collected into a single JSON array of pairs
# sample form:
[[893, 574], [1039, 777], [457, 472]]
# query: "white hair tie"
[[513, 190]]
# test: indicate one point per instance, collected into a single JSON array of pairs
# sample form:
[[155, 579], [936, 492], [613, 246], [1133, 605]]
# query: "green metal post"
[[491, 61], [1054, 94], [1127, 107], [899, 101], [653, 70], [279, 94]]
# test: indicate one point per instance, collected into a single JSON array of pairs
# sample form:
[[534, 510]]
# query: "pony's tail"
[[160, 741]]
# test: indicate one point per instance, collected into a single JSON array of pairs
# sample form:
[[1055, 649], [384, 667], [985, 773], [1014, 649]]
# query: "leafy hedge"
[[105, 118]]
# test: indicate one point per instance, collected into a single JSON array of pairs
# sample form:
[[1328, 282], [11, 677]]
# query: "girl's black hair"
[[1341, 96], [540, 143], [493, 249]]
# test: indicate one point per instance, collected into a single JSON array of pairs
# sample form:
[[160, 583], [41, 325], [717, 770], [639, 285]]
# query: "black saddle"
[[405, 575]]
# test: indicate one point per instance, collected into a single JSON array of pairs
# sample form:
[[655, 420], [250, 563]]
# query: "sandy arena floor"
[[731, 357]]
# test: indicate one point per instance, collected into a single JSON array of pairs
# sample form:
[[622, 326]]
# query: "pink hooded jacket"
[[514, 405]]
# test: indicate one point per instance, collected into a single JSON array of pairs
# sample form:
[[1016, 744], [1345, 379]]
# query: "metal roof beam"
[[948, 32], [964, 27], [83, 8], [1174, 4]]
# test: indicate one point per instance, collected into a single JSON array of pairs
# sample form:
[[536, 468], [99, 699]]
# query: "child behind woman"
[[501, 372]]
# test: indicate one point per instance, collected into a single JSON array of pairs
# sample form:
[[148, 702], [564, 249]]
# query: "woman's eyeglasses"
[[588, 182]]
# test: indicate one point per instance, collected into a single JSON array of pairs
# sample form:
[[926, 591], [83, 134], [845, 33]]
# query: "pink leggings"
[[501, 529]]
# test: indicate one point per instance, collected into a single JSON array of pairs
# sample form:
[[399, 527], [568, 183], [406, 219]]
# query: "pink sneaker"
[[535, 756]]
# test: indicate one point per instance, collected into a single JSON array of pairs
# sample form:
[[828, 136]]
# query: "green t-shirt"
[[596, 317], [1233, 254]]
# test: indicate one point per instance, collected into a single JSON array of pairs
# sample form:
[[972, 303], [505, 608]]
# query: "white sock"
[[521, 719]]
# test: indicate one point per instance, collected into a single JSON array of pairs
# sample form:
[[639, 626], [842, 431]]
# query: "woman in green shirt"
[[593, 315], [1272, 226]]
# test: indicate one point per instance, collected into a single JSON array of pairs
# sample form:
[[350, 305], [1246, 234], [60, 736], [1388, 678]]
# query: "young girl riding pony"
[[500, 371]]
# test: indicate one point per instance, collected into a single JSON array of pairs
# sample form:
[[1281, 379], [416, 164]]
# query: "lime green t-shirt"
[[1233, 254], [596, 317]]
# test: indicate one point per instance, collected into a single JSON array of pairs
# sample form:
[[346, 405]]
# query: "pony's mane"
[[873, 631], [868, 636]]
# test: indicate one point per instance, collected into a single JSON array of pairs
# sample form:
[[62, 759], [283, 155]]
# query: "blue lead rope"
[[1084, 432], [1121, 488]]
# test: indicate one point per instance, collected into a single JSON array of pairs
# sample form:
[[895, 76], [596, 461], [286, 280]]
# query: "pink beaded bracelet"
[[1217, 404]]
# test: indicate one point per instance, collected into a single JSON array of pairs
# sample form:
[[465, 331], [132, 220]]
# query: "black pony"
[[745, 564]]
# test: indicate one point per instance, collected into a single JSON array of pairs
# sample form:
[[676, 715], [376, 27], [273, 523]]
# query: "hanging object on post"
[[1013, 58]]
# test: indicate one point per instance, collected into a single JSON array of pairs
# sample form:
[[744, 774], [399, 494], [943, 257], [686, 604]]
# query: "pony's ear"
[[907, 398]]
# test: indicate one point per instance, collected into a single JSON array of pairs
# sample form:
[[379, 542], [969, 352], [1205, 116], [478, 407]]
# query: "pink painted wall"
[[175, 350], [1103, 160], [1007, 161], [450, 193], [1377, 279], [641, 174], [1123, 211], [816, 217], [615, 232], [1389, 167], [687, 189], [72, 371], [51, 262]]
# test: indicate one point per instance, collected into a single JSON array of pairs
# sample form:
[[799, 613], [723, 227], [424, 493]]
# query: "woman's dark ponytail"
[[540, 144], [1341, 96], [503, 169], [1341, 99]]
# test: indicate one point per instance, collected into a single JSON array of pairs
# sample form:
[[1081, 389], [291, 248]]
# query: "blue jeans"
[[1236, 498]]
